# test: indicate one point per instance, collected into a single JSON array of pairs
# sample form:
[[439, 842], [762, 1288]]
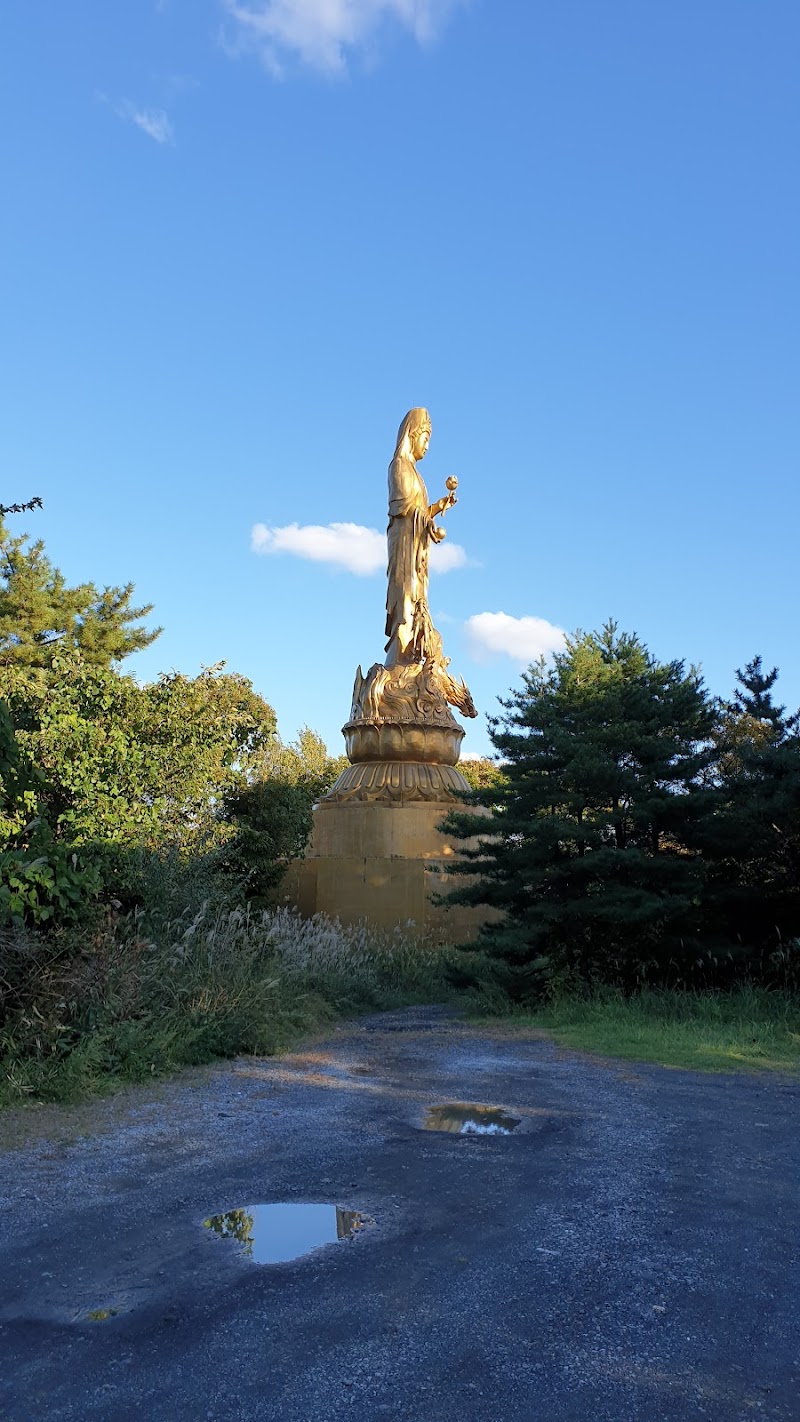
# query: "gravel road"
[[629, 1251]]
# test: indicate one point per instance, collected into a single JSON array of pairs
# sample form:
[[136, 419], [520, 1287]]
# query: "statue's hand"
[[442, 505]]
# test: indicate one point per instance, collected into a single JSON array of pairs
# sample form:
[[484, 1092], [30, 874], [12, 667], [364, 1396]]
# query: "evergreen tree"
[[752, 845], [27, 507], [752, 699], [606, 756], [40, 614]]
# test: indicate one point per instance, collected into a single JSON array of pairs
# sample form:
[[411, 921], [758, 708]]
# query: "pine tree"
[[752, 845], [27, 507], [40, 614], [606, 755], [752, 711]]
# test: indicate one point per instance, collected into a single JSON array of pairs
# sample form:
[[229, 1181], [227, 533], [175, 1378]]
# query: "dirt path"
[[629, 1251]]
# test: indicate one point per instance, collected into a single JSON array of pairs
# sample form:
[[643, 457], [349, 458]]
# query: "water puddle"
[[464, 1119], [274, 1234]]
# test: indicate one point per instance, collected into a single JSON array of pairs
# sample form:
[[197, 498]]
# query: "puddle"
[[274, 1234], [464, 1119]]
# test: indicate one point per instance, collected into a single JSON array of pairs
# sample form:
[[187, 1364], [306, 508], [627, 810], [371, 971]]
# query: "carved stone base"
[[398, 783]]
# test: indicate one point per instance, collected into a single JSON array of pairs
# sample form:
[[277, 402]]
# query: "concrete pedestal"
[[381, 863]]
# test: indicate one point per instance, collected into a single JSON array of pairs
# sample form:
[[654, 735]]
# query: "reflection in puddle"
[[274, 1234], [464, 1119]]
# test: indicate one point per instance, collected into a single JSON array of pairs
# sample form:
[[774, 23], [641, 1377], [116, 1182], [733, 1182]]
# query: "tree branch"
[[20, 508]]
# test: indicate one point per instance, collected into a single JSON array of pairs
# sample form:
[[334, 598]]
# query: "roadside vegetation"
[[138, 997], [643, 851], [645, 856], [744, 1028]]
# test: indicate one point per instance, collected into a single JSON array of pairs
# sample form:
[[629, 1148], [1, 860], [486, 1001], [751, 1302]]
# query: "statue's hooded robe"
[[408, 622]]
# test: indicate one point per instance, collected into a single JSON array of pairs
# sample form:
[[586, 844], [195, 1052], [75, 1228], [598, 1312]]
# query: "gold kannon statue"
[[402, 738], [412, 528]]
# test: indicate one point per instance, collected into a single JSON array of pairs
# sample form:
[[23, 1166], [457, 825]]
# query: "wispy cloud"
[[524, 639], [343, 545], [320, 33], [444, 557], [154, 122]]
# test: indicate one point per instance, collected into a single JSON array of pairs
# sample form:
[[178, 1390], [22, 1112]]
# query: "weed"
[[144, 994]]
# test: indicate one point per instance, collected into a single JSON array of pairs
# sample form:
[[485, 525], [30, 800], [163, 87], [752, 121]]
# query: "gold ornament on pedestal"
[[402, 739]]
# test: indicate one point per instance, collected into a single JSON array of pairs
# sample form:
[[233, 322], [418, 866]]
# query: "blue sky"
[[241, 240]]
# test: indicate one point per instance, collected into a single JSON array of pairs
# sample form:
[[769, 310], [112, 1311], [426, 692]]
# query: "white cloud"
[[343, 545], [524, 639], [444, 557], [153, 122], [321, 32]]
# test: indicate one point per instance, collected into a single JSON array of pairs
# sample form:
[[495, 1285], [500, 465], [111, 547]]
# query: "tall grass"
[[140, 996]]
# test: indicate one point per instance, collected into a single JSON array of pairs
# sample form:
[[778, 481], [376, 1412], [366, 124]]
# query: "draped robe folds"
[[409, 629]]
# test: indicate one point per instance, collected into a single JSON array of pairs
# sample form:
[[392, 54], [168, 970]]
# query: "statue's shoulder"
[[403, 474]]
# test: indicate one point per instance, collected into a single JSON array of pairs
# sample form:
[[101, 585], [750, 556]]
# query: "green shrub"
[[45, 882]]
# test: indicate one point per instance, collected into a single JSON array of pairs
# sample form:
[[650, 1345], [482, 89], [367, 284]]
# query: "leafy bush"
[[271, 822], [44, 881]]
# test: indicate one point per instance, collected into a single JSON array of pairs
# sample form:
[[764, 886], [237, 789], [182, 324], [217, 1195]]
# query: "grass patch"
[[137, 1000], [746, 1028]]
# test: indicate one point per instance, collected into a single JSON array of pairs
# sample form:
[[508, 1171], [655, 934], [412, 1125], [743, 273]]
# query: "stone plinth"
[[380, 862]]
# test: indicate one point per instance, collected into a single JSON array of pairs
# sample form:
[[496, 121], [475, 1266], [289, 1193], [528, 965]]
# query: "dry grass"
[[136, 999]]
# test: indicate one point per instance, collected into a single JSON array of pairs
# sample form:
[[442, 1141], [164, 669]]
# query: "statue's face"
[[420, 443]]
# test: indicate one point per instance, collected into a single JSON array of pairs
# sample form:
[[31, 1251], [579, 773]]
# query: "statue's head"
[[414, 435]]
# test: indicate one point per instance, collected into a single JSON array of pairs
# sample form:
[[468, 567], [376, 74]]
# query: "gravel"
[[629, 1251]]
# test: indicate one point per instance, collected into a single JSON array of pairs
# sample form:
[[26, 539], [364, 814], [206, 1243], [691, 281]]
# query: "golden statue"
[[411, 529], [402, 739]]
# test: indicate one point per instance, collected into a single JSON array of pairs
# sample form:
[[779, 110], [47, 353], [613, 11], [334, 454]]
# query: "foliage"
[[139, 996], [752, 845], [43, 881], [27, 507], [40, 613], [606, 758], [123, 764], [744, 1028], [271, 813], [637, 834], [19, 782], [752, 699], [483, 773], [304, 761], [272, 821], [40, 880]]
